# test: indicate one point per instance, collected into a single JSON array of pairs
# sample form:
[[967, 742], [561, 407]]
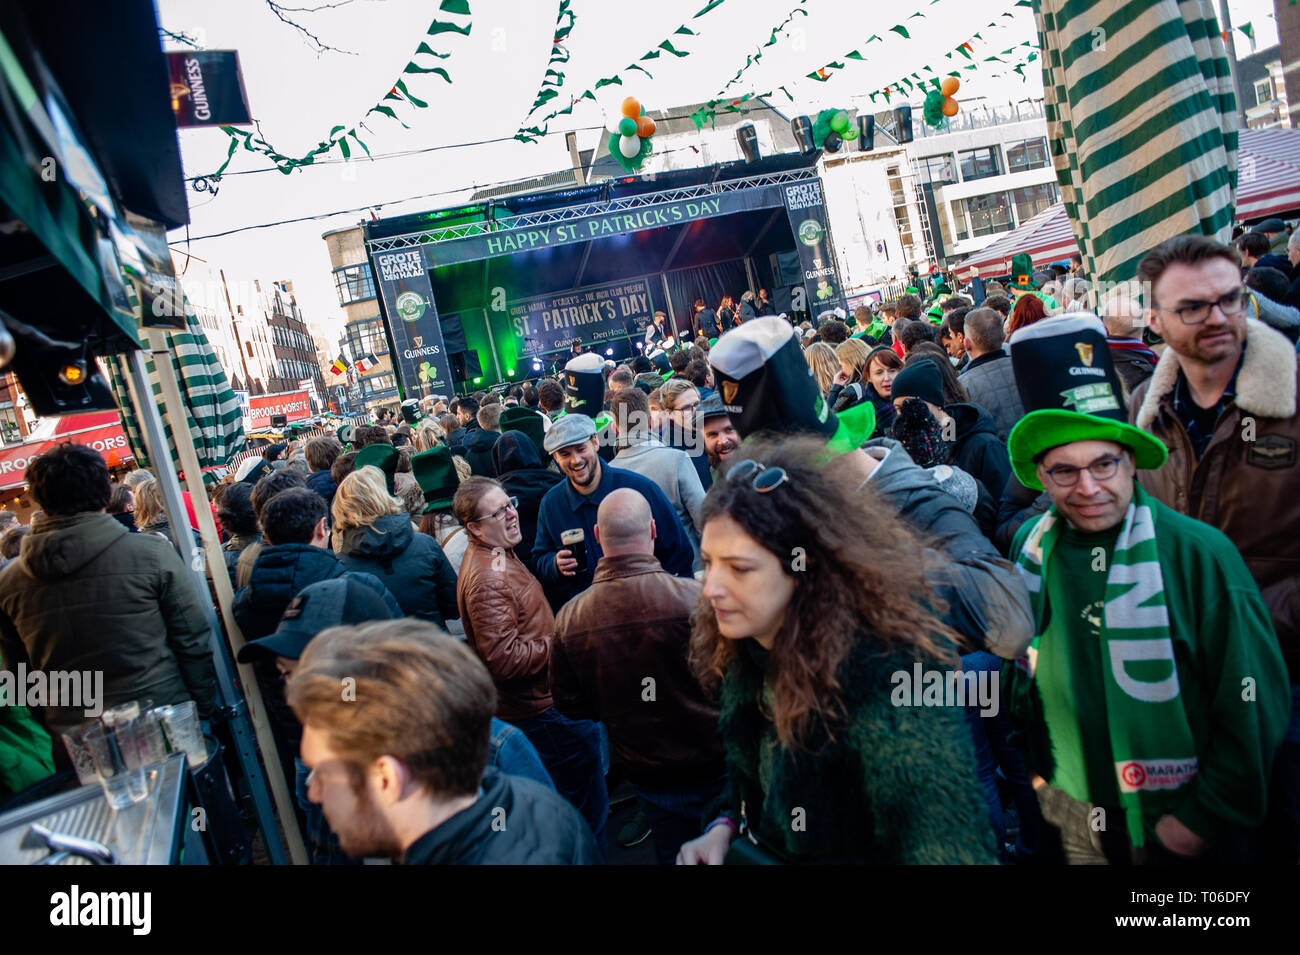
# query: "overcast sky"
[[297, 94]]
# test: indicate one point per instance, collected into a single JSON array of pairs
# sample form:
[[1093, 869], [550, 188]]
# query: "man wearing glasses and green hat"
[[1153, 696]]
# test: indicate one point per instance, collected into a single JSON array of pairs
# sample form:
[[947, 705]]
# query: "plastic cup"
[[116, 753], [183, 733], [79, 752]]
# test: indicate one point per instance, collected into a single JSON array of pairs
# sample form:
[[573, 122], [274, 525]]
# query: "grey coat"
[[673, 471], [991, 384], [987, 602]]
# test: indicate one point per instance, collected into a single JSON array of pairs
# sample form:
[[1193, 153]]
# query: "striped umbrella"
[[211, 408], [1142, 122]]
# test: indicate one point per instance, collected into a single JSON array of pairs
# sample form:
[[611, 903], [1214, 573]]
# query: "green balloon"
[[850, 134], [627, 127], [840, 122]]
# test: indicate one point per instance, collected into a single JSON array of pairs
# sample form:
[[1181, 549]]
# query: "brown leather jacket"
[[630, 627], [509, 625], [1246, 484]]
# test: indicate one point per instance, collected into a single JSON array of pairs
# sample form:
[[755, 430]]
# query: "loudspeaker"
[[279, 421], [801, 128], [786, 269], [866, 132], [465, 367], [747, 136], [903, 124]]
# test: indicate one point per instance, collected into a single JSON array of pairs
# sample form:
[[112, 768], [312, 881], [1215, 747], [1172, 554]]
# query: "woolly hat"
[[765, 384], [920, 380], [1069, 387]]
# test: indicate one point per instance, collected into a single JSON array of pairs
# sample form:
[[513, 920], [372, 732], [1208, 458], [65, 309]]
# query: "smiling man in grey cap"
[[569, 510]]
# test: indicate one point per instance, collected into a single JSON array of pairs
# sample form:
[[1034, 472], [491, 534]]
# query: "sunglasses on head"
[[765, 479]]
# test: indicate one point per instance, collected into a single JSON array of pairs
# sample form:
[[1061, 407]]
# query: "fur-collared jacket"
[[1246, 483]]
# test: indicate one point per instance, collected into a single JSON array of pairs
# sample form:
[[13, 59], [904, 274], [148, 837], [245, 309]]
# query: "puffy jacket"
[[86, 595], [478, 451], [541, 828], [322, 482], [277, 576], [634, 623], [509, 625], [524, 475], [987, 601], [1246, 488], [991, 384], [412, 566], [978, 450]]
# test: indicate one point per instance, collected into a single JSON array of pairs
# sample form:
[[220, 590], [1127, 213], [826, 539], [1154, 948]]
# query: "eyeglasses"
[[511, 504], [1234, 303], [765, 479], [688, 409], [1103, 469]]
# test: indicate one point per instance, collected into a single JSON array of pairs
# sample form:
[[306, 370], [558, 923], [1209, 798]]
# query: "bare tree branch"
[[313, 39], [178, 37]]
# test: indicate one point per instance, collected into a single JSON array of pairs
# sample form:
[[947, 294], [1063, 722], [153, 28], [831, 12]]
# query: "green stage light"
[[478, 381], [510, 372]]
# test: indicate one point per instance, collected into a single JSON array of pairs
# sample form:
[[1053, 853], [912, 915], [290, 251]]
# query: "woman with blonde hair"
[[151, 512], [825, 365], [851, 386], [373, 535]]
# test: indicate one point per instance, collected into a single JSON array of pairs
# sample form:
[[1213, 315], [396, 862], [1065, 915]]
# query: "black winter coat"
[[706, 322], [322, 482], [540, 828], [278, 575], [412, 566], [978, 450], [478, 452]]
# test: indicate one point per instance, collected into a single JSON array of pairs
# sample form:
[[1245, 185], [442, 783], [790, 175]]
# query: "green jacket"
[[897, 784], [85, 595], [25, 754], [1230, 673]]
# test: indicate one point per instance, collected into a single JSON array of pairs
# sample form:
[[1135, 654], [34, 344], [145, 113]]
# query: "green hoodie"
[[1230, 673]]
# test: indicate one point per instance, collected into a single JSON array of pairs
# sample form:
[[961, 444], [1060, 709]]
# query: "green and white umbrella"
[[1142, 122]]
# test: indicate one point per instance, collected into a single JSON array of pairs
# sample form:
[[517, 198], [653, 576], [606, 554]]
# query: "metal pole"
[[1225, 24], [152, 428]]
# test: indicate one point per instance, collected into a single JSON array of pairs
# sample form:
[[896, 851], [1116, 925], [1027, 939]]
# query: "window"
[[377, 383], [366, 337], [988, 214], [979, 163], [1032, 200], [1030, 154], [1263, 92], [937, 169], [354, 284]]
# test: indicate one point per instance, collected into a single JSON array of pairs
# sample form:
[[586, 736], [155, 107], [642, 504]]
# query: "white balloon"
[[629, 146]]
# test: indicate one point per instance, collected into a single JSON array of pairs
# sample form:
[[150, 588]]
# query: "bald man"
[[619, 656], [1124, 321]]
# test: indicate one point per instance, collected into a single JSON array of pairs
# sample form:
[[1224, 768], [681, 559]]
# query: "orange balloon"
[[631, 107], [950, 106], [949, 85], [645, 127]]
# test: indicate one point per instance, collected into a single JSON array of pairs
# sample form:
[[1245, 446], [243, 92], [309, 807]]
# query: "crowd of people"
[[977, 577]]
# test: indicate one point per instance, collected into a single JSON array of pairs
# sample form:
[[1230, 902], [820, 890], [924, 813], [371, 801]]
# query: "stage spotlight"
[[866, 132], [801, 127], [537, 366], [510, 372], [640, 346], [478, 381], [609, 351], [903, 124], [73, 373], [747, 136]]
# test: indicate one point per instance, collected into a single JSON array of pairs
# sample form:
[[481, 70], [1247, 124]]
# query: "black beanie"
[[922, 380]]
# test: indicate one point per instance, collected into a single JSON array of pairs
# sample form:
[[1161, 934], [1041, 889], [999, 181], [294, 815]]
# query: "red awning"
[[1268, 183], [101, 430]]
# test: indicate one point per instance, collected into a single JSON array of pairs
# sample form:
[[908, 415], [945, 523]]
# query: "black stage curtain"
[[709, 282]]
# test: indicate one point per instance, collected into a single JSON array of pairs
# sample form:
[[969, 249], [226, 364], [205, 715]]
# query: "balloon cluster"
[[939, 103], [630, 142], [832, 129]]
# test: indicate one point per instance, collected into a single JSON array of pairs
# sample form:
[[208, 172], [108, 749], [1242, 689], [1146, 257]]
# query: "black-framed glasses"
[[765, 479], [1103, 469], [1194, 313], [511, 504]]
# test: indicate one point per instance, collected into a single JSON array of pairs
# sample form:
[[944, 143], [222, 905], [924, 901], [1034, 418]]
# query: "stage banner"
[[421, 353], [806, 206], [600, 313], [507, 241]]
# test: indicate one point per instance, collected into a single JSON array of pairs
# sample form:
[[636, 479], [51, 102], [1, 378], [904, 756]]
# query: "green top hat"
[[1068, 384], [1022, 273], [382, 456], [526, 420], [435, 472]]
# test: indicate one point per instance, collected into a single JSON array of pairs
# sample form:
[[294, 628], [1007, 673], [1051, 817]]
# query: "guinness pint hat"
[[584, 385], [1069, 387]]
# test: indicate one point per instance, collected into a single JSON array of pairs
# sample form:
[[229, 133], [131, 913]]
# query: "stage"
[[501, 291]]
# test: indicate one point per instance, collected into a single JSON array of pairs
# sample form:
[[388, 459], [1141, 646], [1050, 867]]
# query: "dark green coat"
[[897, 785]]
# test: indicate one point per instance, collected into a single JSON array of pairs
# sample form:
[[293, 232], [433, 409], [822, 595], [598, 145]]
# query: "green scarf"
[[1155, 756]]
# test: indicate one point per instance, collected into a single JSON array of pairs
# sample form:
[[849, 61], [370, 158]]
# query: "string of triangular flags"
[[423, 60]]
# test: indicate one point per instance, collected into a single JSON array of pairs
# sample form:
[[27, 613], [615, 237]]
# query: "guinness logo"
[[729, 391], [573, 381], [1085, 353]]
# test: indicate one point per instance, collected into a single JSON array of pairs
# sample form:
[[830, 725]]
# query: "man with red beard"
[[720, 436], [397, 758]]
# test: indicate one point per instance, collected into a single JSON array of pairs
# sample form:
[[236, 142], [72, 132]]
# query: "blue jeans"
[[676, 815], [993, 751], [570, 751]]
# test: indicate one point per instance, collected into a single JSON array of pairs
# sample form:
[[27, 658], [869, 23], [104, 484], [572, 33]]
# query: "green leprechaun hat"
[[1068, 384], [382, 456], [526, 420], [1022, 273], [435, 472], [766, 385]]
